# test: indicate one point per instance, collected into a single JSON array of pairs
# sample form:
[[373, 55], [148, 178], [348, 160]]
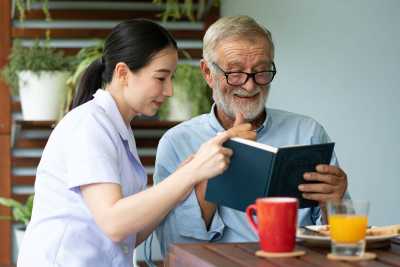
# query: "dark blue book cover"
[[257, 170]]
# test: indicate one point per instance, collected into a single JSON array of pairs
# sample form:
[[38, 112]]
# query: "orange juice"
[[347, 228]]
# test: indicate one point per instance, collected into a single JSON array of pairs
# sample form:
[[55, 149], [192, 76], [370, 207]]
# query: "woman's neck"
[[124, 109]]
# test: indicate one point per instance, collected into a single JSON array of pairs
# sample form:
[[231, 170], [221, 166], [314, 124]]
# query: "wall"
[[339, 62]]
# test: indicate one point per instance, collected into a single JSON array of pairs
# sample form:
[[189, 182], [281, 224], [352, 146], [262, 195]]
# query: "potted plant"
[[192, 96], [39, 73], [21, 213]]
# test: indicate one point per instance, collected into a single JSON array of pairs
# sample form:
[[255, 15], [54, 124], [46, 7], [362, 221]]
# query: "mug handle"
[[250, 210]]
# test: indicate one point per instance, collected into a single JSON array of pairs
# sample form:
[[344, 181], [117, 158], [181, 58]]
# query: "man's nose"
[[249, 85]]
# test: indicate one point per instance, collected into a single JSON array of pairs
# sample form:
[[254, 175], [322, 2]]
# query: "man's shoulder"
[[197, 124], [286, 117]]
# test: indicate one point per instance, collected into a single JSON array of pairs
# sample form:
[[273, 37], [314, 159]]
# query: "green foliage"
[[20, 212], [174, 10], [36, 59], [189, 86], [24, 5]]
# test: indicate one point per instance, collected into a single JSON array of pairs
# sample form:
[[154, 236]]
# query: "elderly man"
[[239, 66]]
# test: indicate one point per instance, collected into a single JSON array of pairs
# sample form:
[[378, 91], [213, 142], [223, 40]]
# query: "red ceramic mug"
[[277, 222]]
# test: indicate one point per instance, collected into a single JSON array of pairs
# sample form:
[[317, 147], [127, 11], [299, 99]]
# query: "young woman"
[[91, 207]]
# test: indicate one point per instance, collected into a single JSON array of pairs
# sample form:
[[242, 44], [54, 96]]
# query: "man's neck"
[[227, 122]]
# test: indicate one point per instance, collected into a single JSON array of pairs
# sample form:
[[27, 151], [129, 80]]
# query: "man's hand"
[[331, 184], [242, 129]]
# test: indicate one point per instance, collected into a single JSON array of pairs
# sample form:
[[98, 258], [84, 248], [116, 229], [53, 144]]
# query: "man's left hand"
[[330, 184]]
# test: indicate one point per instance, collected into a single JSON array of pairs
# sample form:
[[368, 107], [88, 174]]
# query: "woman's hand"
[[211, 159]]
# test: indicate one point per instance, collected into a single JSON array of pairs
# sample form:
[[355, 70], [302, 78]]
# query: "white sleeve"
[[92, 153]]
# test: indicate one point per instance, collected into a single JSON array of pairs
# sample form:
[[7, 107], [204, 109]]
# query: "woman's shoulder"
[[86, 116]]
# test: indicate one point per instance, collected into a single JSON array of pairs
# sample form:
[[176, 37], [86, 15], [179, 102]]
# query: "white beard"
[[230, 106]]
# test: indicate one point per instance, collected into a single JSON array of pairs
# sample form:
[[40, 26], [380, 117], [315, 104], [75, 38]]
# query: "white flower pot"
[[180, 110], [41, 94], [19, 232]]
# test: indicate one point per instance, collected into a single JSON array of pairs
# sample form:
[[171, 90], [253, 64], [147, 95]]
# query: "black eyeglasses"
[[238, 78]]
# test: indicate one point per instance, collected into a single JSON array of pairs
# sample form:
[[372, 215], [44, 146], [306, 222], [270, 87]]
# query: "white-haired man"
[[238, 64]]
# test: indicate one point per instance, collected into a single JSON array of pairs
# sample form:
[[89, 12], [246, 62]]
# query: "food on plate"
[[384, 230], [372, 231]]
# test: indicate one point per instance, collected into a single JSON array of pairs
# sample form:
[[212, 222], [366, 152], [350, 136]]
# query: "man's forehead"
[[234, 50]]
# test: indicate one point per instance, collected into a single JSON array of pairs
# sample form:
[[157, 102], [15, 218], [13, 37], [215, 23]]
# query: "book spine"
[[270, 176]]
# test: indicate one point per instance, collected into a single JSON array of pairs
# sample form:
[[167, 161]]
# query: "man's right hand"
[[242, 129]]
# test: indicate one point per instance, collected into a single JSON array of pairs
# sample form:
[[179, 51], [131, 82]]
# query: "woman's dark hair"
[[133, 42]]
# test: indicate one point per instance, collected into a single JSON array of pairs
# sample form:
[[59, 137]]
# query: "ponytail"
[[90, 81]]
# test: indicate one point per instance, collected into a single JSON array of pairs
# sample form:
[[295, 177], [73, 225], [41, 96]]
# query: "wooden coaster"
[[365, 257], [265, 254]]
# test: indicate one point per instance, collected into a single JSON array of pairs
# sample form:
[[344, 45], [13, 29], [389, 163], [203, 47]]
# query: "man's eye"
[[160, 78]]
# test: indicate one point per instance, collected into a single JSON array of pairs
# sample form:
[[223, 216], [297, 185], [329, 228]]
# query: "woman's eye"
[[160, 78]]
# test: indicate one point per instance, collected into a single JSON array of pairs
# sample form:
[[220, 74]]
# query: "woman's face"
[[149, 87]]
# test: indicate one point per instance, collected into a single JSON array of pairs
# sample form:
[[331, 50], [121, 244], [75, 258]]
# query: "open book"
[[258, 170]]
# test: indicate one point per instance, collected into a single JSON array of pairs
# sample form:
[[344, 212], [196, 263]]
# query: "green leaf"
[[20, 212], [11, 203], [39, 57]]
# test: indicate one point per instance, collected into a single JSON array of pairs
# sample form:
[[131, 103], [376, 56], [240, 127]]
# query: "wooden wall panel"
[[5, 125]]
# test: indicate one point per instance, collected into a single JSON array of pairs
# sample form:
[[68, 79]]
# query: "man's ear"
[[206, 71], [121, 72]]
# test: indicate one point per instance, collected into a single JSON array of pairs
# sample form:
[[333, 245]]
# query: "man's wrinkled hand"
[[241, 128], [330, 184]]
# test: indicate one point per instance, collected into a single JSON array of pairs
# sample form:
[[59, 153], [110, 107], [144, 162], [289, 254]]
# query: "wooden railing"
[[5, 132]]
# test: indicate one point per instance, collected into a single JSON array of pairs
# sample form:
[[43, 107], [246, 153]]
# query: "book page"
[[255, 144]]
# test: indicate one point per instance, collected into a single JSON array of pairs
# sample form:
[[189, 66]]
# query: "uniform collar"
[[104, 99], [217, 126]]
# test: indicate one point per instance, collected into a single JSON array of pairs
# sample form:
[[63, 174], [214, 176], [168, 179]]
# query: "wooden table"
[[242, 254]]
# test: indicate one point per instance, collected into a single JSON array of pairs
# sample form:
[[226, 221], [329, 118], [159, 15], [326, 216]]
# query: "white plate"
[[325, 240]]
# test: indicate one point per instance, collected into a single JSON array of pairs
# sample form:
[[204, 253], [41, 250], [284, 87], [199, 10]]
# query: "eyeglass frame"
[[251, 74]]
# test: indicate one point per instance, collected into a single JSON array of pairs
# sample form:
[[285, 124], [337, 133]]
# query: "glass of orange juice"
[[348, 222]]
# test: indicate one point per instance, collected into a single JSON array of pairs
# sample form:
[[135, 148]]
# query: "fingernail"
[[301, 187], [306, 175]]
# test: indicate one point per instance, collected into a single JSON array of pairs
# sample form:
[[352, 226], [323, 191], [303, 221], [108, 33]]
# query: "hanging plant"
[[24, 5], [175, 10]]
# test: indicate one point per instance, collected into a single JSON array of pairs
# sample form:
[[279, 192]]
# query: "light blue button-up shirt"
[[92, 144], [184, 224]]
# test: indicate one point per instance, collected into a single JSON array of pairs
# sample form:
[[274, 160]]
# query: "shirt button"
[[125, 249]]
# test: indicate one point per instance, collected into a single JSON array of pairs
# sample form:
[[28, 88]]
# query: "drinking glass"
[[348, 222]]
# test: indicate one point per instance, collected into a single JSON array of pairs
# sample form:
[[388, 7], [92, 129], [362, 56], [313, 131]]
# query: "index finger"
[[329, 169], [221, 138]]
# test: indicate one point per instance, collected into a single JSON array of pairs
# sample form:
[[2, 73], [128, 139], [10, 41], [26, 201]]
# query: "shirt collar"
[[104, 99], [217, 126]]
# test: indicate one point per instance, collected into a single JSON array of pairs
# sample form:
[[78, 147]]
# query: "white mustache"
[[244, 93]]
